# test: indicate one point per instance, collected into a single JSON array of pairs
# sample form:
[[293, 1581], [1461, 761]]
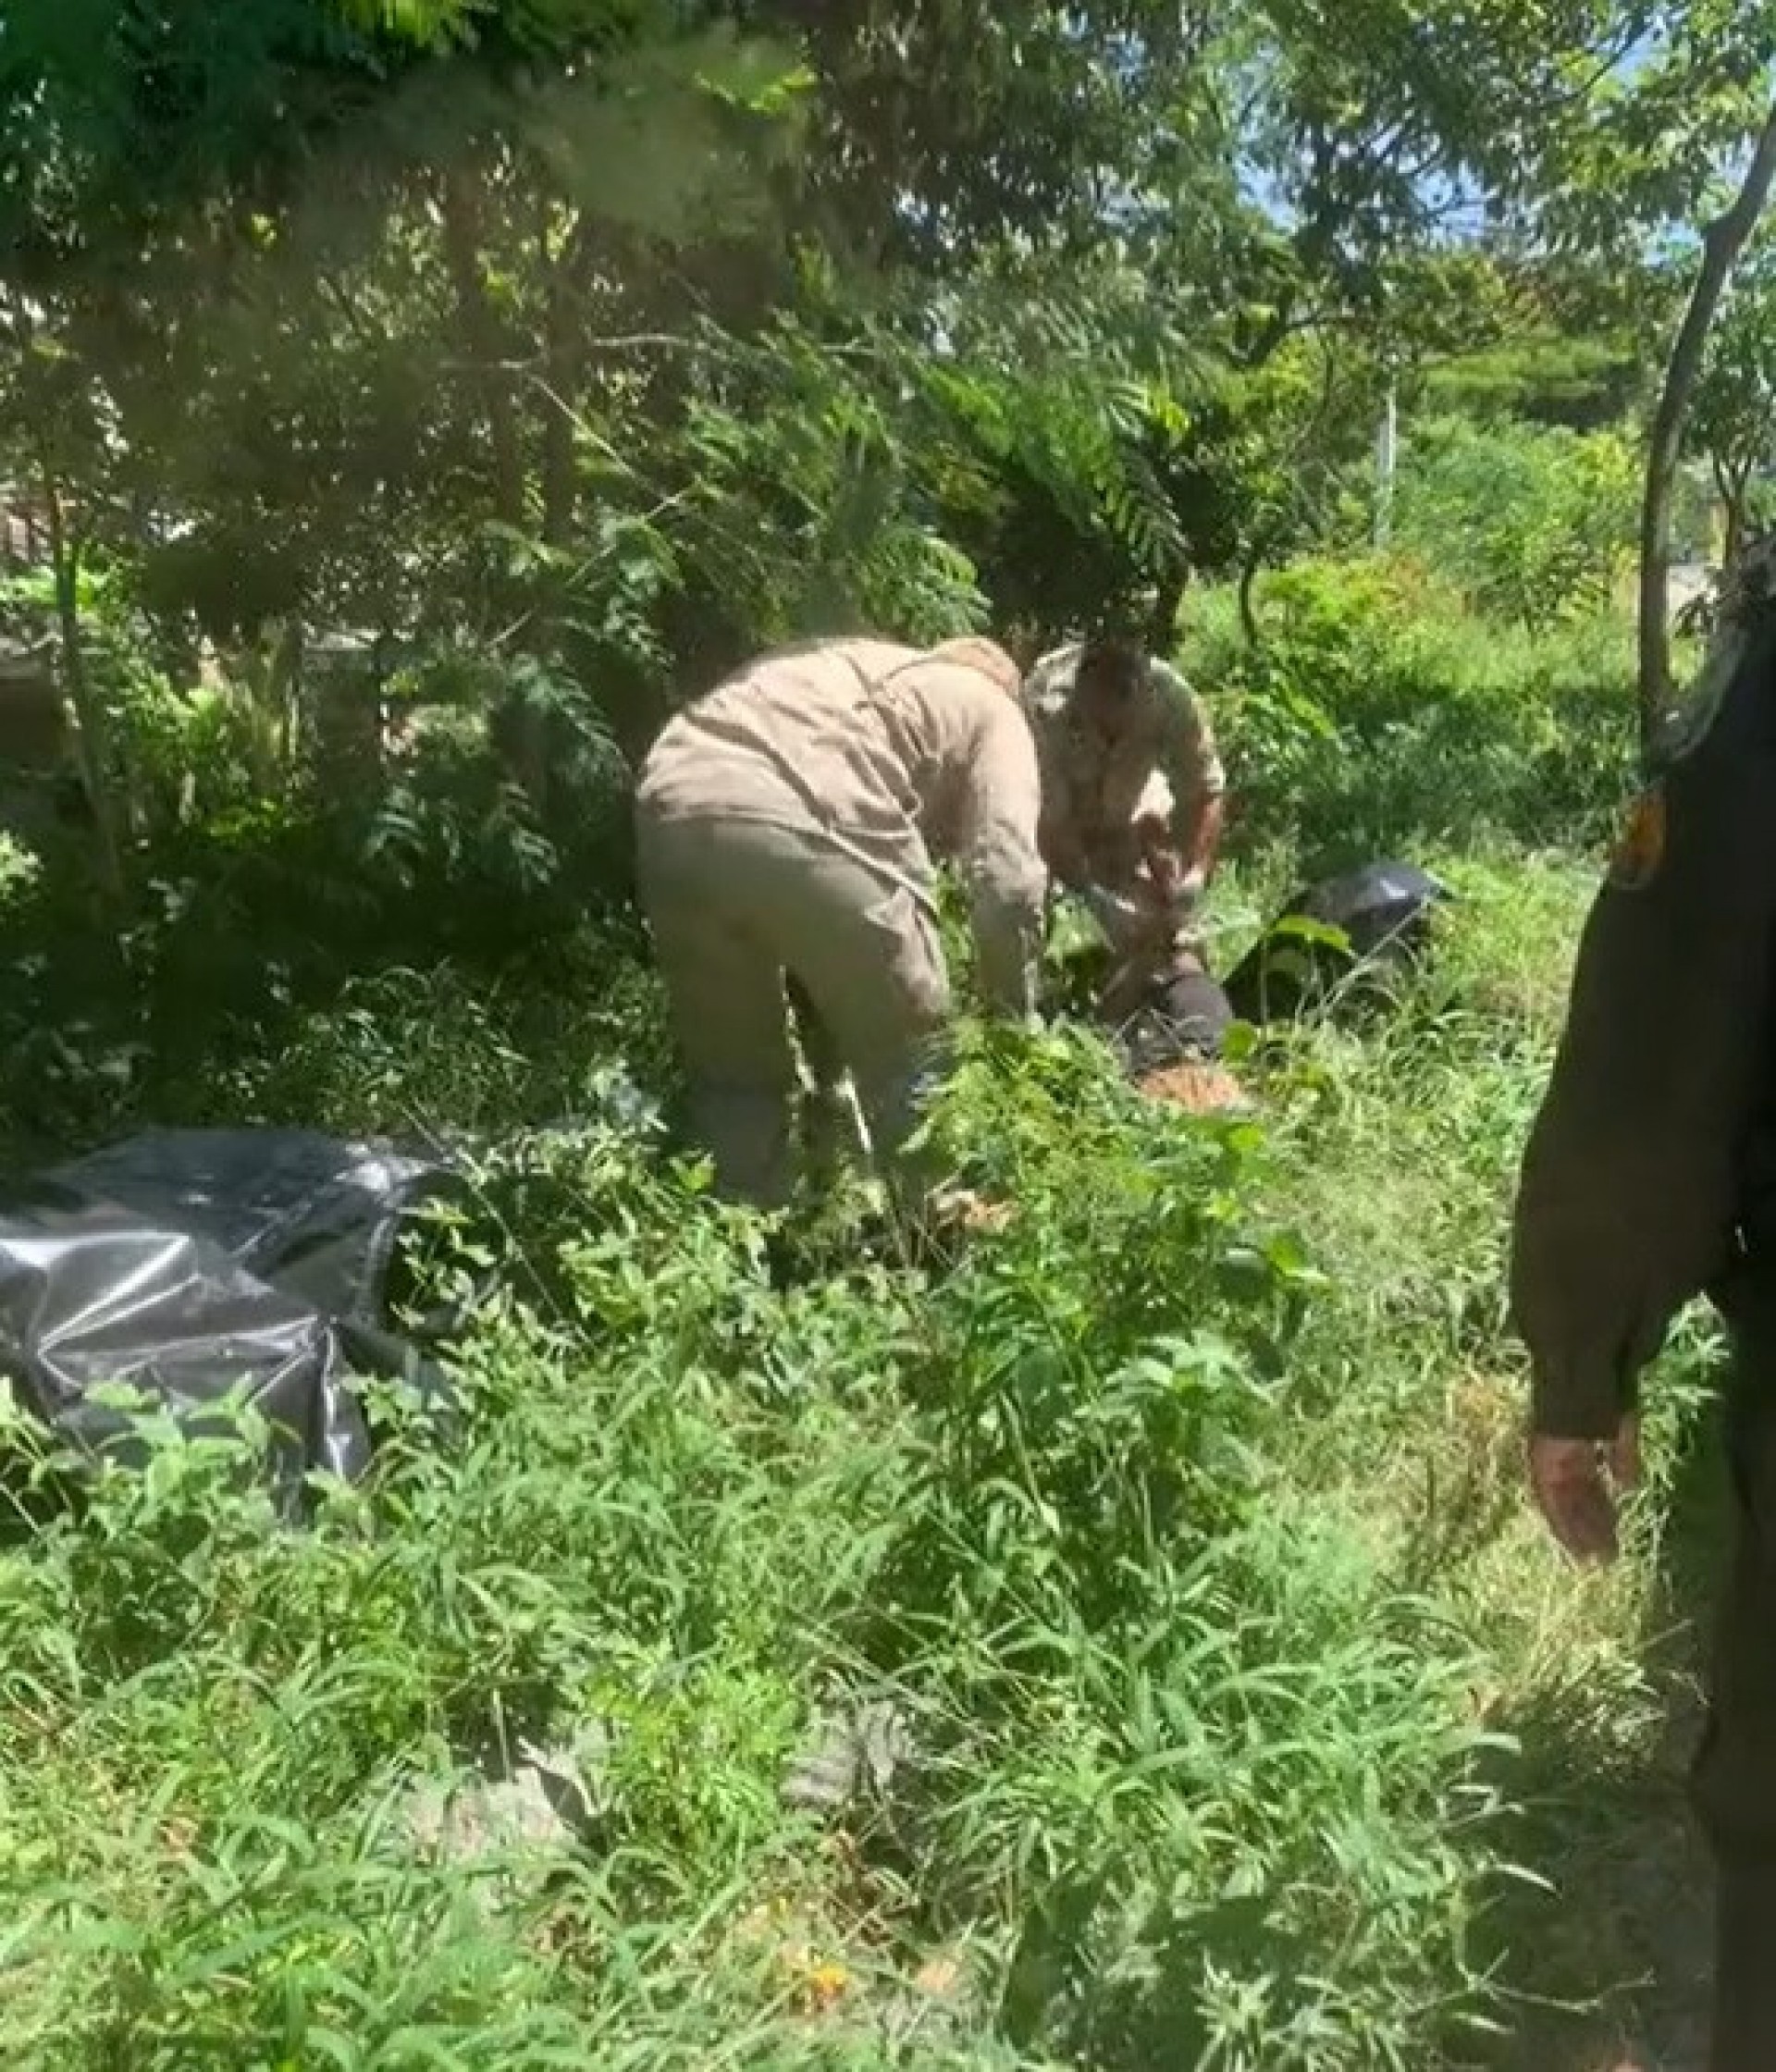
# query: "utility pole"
[[1386, 466]]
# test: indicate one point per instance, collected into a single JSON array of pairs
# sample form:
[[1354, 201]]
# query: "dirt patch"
[[1202, 1089]]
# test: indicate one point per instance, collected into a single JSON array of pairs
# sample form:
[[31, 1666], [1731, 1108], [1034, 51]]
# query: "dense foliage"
[[568, 351], [1174, 1728], [404, 404]]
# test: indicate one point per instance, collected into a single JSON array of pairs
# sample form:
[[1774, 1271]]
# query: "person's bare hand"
[[1577, 1483], [1164, 866]]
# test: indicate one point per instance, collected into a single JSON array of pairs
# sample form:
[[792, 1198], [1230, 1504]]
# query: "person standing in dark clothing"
[[1650, 1180]]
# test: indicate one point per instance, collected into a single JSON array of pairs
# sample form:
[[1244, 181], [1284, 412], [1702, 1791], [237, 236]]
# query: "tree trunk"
[[1386, 466], [79, 700], [1163, 631], [1737, 525], [1722, 242], [284, 683], [1251, 567], [1732, 486], [560, 486], [1249, 603], [481, 335]]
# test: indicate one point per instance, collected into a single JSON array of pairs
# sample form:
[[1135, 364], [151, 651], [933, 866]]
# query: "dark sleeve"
[[1629, 1191]]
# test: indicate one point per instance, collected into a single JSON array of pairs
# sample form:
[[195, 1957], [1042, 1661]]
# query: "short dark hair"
[[1112, 661]]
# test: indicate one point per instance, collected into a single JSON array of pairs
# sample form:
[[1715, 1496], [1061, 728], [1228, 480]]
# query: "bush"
[[1377, 715], [261, 980], [1160, 1561], [1532, 523], [1181, 1763]]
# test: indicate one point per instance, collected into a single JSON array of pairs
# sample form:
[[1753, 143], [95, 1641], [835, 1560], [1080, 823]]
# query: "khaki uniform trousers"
[[737, 906]]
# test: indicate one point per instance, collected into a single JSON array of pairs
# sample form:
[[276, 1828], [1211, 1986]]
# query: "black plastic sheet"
[[315, 1215], [1383, 914], [1362, 927], [190, 1266], [1184, 1020]]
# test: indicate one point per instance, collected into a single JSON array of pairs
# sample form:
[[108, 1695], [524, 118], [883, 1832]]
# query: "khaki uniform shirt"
[[892, 756], [1092, 791]]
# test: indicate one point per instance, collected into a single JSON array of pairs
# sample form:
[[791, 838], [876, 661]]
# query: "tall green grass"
[[1378, 715], [1232, 1706]]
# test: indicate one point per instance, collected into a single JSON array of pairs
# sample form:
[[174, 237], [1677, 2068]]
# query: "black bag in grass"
[[315, 1215], [1183, 1019], [1340, 940], [194, 1266]]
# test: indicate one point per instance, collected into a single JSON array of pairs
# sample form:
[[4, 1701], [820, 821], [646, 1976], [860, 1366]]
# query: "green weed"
[[1175, 1526]]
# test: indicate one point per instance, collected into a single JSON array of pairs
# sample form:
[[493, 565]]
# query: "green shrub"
[[1190, 1771], [1176, 1523], [1532, 523], [1377, 715]]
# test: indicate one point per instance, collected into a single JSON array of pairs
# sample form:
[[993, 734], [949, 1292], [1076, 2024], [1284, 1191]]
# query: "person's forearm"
[[1200, 841], [1009, 951], [1575, 1398], [1058, 843]]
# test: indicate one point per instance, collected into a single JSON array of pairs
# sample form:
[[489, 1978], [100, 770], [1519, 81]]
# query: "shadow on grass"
[[1609, 1966], [272, 1024]]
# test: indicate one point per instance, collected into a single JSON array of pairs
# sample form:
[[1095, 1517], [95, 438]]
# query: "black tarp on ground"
[[1184, 1020], [315, 1215], [194, 1265], [1382, 912], [1382, 917]]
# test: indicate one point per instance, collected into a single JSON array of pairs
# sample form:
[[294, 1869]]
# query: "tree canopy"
[[624, 334]]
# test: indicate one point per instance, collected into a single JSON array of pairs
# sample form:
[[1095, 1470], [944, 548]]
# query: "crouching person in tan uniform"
[[790, 824], [1133, 790]]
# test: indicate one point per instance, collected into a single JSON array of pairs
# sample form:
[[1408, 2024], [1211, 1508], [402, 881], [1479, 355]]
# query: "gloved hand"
[[1187, 896]]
